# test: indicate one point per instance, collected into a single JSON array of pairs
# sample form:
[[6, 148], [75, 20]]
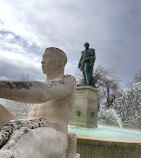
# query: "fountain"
[[101, 142], [104, 141], [108, 141], [86, 107], [110, 115]]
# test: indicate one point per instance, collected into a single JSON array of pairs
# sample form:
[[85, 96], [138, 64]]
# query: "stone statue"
[[86, 64], [51, 110]]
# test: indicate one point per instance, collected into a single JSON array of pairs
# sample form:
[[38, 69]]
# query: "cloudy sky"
[[112, 27]]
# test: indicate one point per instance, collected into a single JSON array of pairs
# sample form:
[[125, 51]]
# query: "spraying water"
[[110, 115], [114, 115]]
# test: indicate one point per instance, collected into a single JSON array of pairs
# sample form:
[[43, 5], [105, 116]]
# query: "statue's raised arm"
[[24, 91], [37, 92]]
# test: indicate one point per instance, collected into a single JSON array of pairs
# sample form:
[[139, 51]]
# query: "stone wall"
[[89, 147]]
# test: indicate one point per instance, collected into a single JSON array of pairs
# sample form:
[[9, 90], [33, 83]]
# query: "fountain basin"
[[103, 144], [107, 132]]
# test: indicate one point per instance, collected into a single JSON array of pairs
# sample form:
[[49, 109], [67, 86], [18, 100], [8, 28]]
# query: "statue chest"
[[51, 109], [88, 53]]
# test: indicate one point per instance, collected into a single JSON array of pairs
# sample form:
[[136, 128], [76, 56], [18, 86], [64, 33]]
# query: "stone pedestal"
[[86, 107]]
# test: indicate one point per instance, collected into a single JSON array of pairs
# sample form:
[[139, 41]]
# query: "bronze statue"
[[86, 64]]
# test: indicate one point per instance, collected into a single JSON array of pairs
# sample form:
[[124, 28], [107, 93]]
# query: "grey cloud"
[[12, 72], [111, 27], [29, 48]]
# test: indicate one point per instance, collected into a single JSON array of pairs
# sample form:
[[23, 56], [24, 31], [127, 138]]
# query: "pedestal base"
[[86, 107]]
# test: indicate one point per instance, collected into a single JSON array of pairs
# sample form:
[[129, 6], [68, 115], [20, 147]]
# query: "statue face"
[[53, 60], [86, 45], [49, 64]]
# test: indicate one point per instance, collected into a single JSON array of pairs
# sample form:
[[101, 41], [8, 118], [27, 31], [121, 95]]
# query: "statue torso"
[[58, 111], [89, 53]]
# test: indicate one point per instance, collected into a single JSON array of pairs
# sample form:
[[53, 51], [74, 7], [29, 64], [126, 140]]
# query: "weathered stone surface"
[[53, 99], [91, 147], [7, 130], [72, 145], [27, 143], [35, 143], [86, 106]]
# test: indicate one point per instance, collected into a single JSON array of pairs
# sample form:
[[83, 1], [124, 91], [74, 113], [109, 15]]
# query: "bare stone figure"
[[53, 99]]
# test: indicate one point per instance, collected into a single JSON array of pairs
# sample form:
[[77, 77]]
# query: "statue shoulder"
[[83, 52], [92, 51], [68, 79], [70, 82]]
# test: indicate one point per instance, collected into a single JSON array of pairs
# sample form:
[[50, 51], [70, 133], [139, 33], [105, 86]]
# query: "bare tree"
[[108, 83]]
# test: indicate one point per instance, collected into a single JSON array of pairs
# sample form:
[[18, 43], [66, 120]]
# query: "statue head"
[[53, 60], [86, 45]]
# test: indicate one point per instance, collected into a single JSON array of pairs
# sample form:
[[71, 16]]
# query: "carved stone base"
[[86, 107]]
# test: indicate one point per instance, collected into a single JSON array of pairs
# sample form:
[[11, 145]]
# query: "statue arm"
[[36, 92], [94, 55], [23, 91], [79, 65]]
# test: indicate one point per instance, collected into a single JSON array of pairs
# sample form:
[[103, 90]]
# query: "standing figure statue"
[[86, 64], [52, 101]]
